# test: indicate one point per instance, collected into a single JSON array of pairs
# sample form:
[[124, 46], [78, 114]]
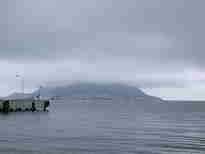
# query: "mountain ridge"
[[95, 90]]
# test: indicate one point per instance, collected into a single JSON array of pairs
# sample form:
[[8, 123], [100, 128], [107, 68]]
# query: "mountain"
[[94, 90], [88, 91]]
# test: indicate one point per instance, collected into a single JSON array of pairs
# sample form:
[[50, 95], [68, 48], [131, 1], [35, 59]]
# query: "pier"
[[23, 105]]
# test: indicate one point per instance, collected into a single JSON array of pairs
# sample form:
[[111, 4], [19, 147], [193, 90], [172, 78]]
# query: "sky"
[[157, 45]]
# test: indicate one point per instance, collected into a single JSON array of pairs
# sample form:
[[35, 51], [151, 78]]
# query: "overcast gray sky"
[[155, 44]]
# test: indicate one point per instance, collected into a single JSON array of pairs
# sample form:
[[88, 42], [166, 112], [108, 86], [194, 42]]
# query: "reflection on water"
[[106, 127]]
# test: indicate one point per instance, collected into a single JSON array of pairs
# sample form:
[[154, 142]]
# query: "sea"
[[98, 126]]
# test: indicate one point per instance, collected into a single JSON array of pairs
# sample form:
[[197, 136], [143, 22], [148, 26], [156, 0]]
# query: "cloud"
[[103, 40]]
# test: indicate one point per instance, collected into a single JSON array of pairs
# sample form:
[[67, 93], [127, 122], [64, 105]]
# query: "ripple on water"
[[106, 128]]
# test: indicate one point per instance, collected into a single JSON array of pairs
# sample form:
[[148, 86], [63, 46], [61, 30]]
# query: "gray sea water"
[[106, 127]]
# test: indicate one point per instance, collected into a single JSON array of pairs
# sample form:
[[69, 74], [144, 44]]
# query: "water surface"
[[106, 126]]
